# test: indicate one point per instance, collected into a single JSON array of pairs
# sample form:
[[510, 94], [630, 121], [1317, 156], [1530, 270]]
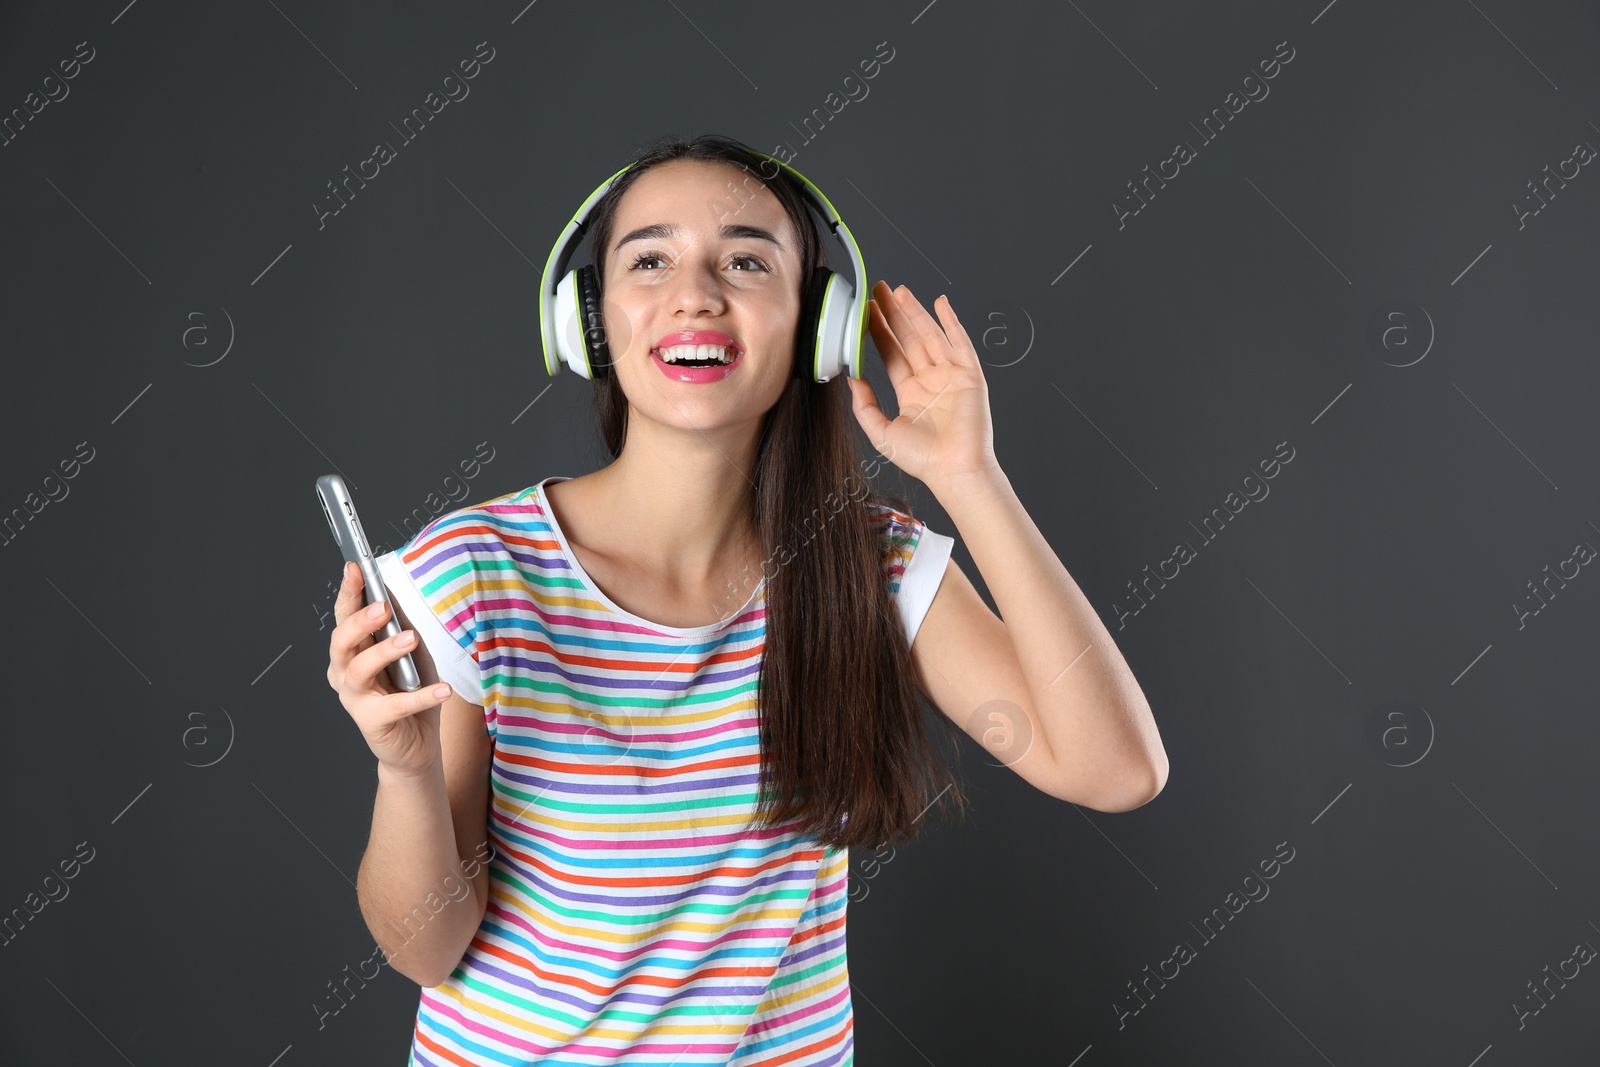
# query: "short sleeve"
[[433, 579], [915, 559]]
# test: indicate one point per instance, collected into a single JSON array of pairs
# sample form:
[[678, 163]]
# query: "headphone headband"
[[833, 315]]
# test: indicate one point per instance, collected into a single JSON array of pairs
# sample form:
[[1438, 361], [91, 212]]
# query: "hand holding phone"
[[346, 526], [401, 728]]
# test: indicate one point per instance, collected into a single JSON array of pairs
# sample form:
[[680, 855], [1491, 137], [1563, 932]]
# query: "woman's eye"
[[646, 257]]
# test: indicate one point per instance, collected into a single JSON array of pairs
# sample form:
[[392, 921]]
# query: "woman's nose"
[[699, 288]]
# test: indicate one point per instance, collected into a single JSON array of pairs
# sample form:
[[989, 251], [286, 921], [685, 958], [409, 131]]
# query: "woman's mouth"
[[696, 364]]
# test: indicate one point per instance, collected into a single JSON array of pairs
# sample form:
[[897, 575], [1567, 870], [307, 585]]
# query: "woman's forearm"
[[1091, 708], [417, 905]]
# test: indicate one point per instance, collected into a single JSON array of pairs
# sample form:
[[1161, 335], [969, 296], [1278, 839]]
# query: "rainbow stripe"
[[635, 915]]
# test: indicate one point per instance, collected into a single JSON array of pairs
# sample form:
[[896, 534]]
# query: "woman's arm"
[[423, 882], [418, 906], [1084, 731], [1050, 658]]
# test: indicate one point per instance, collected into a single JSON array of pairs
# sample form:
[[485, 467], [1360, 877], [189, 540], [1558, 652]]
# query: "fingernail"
[[404, 639], [441, 691], [375, 610]]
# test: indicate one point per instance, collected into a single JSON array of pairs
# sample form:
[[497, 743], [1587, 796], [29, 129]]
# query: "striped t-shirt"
[[635, 916]]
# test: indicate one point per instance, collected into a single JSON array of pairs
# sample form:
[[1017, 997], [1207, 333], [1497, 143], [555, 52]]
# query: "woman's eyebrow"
[[668, 229]]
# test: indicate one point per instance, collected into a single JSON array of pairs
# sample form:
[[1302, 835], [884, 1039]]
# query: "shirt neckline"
[[594, 589]]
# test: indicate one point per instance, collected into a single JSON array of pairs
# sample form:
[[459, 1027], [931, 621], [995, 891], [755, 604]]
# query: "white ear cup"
[[838, 331], [568, 327]]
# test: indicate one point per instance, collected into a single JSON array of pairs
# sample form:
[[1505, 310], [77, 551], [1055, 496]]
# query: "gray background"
[[1342, 669]]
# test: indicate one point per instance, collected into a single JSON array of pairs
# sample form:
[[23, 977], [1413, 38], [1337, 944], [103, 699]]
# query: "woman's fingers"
[[359, 623], [387, 717], [353, 631], [379, 712], [892, 302], [366, 666], [922, 331], [349, 598], [894, 357]]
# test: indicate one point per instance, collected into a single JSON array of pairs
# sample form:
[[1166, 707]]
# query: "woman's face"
[[697, 247]]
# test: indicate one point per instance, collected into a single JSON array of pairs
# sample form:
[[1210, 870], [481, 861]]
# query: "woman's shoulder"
[[472, 527], [895, 523]]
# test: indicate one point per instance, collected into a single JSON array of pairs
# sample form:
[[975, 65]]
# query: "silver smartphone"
[[346, 527]]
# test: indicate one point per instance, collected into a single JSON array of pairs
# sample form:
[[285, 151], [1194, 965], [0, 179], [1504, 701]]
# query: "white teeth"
[[678, 353]]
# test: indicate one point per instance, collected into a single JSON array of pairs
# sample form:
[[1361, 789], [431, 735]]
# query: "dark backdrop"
[[1379, 662]]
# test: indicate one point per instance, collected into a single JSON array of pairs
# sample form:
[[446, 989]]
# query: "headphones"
[[833, 311]]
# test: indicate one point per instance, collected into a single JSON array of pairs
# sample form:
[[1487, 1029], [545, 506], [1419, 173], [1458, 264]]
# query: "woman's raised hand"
[[943, 430]]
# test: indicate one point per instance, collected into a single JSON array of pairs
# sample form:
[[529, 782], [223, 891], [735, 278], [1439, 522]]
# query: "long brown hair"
[[844, 749]]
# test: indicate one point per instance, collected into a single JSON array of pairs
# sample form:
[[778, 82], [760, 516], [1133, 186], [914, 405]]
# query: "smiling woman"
[[670, 770], [675, 774], [841, 724]]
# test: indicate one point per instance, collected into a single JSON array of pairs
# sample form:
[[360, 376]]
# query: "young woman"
[[678, 688]]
